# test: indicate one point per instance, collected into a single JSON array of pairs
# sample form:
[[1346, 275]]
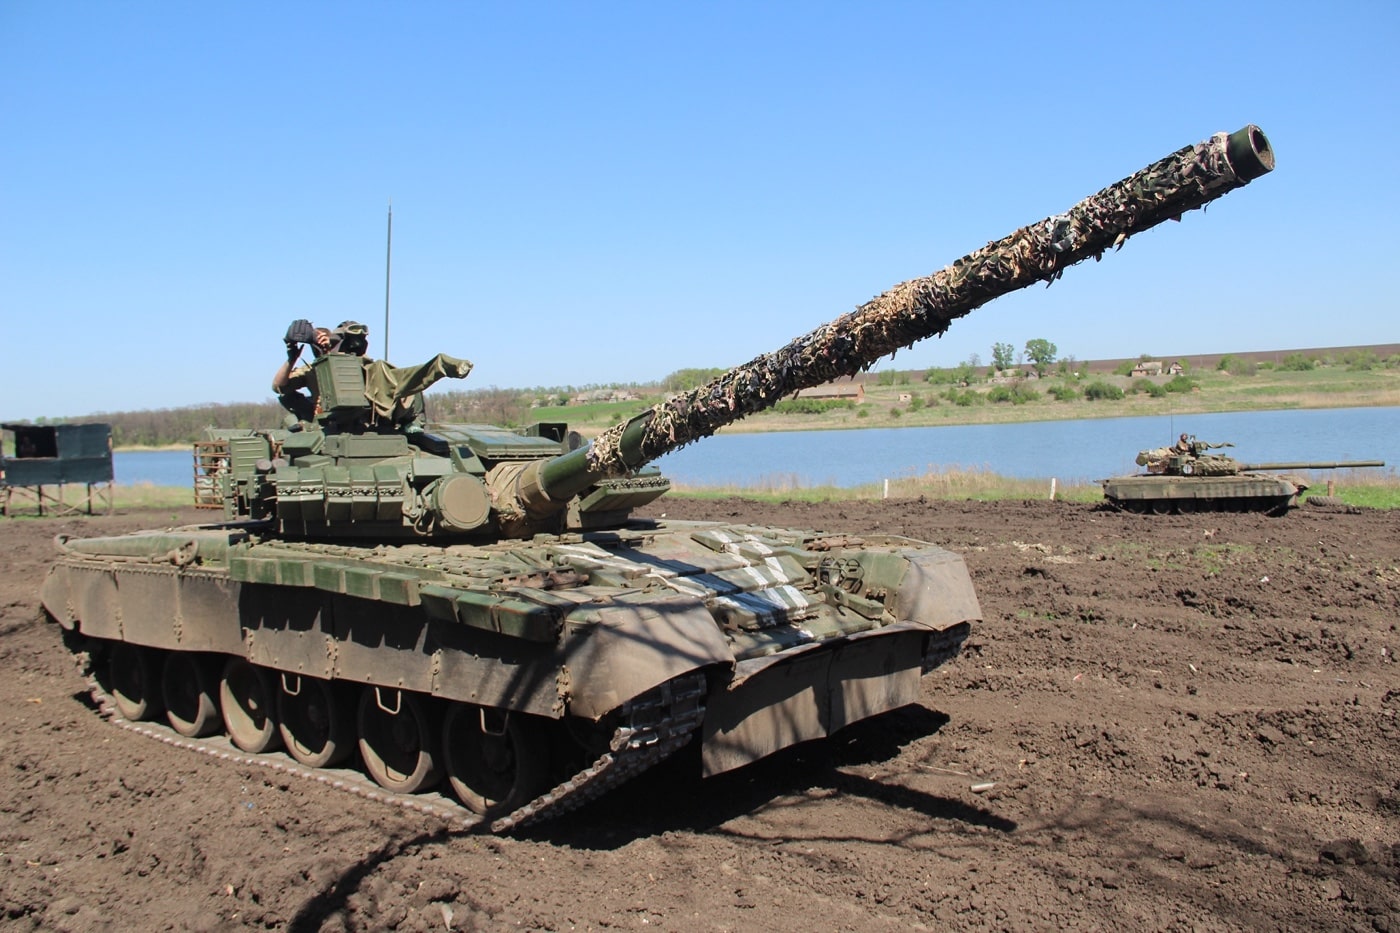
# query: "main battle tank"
[[1187, 478], [475, 604]]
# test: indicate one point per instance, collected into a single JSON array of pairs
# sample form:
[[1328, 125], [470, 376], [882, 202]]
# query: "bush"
[[1064, 392], [1360, 361], [1296, 363], [1018, 393], [1099, 389], [964, 398], [1236, 366], [811, 406], [1180, 384], [1148, 387], [915, 402], [1124, 368], [958, 375]]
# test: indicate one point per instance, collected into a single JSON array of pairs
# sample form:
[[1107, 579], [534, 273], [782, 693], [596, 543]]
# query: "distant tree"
[[1236, 366], [1360, 360], [684, 379], [891, 377], [1041, 353], [1003, 355]]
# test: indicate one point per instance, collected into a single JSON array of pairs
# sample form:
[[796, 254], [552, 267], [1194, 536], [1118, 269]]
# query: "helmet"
[[351, 337]]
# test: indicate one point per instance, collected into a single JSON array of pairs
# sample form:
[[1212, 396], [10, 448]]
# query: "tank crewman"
[[291, 383], [1184, 445]]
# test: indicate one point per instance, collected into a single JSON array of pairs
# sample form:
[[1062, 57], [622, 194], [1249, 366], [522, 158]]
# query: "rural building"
[[835, 391], [603, 395]]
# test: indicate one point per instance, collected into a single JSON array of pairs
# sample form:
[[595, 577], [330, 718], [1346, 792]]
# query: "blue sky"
[[596, 192]]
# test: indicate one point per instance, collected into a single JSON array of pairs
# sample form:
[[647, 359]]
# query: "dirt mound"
[[1166, 723]]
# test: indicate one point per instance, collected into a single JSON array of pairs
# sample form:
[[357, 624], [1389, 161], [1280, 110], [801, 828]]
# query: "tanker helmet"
[[351, 337]]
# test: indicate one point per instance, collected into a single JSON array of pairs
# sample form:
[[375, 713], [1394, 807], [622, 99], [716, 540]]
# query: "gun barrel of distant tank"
[[924, 307], [1300, 465]]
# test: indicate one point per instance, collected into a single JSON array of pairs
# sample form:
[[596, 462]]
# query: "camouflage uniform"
[[300, 403]]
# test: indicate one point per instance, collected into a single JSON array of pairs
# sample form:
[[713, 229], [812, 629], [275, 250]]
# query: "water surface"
[[1071, 451]]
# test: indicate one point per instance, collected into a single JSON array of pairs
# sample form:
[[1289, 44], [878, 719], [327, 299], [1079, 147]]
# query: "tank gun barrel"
[[911, 311], [1301, 465]]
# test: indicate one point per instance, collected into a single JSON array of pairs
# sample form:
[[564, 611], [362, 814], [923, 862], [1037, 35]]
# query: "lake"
[[1071, 451]]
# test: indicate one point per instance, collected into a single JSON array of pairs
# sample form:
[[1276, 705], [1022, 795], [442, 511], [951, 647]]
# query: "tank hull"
[[1243, 492], [609, 650]]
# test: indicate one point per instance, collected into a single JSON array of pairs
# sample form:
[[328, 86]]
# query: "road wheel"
[[313, 721], [247, 697], [188, 687], [496, 761], [399, 739], [132, 673]]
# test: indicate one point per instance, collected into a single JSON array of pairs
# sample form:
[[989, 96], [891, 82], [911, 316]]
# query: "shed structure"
[[45, 459]]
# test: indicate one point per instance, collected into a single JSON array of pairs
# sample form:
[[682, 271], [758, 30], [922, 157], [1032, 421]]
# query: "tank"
[[469, 621], [1186, 477]]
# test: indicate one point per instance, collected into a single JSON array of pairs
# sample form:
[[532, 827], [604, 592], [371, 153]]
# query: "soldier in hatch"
[[292, 383]]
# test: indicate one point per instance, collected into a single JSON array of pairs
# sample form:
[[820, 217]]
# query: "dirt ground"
[[1163, 723]]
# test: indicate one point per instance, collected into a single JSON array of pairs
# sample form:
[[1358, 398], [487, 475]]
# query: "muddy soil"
[[1163, 723]]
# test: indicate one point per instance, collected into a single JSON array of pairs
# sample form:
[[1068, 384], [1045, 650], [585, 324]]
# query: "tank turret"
[[470, 606], [1186, 477]]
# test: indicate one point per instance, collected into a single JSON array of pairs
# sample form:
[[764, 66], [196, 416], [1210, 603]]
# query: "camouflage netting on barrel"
[[924, 307]]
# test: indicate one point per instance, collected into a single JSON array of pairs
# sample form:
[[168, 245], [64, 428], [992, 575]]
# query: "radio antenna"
[[388, 265]]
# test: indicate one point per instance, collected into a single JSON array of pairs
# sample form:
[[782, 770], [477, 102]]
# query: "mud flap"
[[776, 702]]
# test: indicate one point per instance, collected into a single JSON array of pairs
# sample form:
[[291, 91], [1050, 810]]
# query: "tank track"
[[651, 727], [1262, 505]]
